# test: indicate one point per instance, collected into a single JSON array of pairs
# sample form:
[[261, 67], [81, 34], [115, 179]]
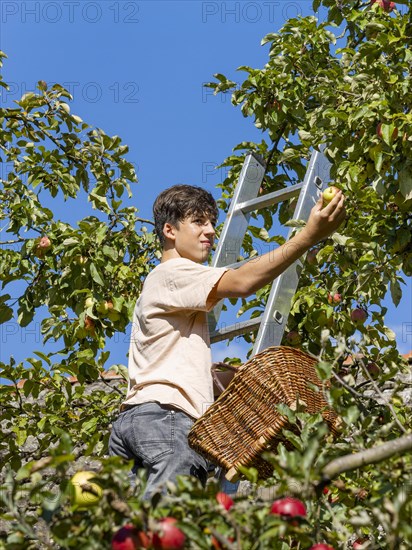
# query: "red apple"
[[224, 500], [289, 507], [42, 246], [373, 370], [130, 538], [386, 5], [328, 194], [335, 298], [89, 324], [359, 544], [293, 338], [311, 256], [358, 316], [168, 536], [321, 546]]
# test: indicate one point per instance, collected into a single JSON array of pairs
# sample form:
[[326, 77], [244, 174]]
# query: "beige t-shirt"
[[169, 354]]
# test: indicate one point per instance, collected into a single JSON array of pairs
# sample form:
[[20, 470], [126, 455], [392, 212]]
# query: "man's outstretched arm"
[[252, 276]]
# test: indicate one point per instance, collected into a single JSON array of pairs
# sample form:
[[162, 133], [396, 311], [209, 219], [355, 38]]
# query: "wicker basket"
[[244, 422]]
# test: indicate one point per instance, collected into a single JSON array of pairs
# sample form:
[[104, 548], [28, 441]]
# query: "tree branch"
[[369, 456]]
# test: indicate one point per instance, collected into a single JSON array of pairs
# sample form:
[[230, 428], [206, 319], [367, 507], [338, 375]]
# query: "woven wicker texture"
[[243, 422]]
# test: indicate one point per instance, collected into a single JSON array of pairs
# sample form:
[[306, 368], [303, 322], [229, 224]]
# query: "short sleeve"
[[189, 285]]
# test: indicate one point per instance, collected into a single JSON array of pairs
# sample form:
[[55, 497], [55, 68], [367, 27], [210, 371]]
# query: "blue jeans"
[[155, 437]]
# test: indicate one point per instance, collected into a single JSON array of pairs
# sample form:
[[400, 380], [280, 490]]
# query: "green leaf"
[[396, 291], [95, 275], [25, 316], [195, 535], [389, 333], [324, 369], [340, 239], [294, 439], [405, 182], [6, 313], [111, 252], [43, 356]]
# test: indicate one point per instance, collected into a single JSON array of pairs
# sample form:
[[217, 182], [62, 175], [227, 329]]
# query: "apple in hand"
[[328, 194], [167, 536], [85, 493]]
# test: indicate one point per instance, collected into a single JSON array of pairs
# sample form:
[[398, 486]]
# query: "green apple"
[[85, 493], [89, 302], [323, 320], [103, 307], [113, 315], [329, 194]]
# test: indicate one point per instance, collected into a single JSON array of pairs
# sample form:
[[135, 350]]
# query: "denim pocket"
[[153, 431]]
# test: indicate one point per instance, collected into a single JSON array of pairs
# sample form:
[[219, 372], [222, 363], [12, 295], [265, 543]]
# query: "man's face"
[[194, 238]]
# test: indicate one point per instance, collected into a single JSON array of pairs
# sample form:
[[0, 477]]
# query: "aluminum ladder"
[[271, 324]]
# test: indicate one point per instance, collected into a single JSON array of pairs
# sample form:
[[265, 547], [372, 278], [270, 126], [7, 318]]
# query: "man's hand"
[[324, 220]]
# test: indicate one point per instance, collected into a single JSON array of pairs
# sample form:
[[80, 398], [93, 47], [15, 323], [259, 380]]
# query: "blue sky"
[[136, 69]]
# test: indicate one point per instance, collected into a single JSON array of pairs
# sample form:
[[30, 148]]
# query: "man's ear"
[[169, 231]]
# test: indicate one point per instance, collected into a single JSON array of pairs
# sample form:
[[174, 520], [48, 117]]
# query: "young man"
[[170, 383]]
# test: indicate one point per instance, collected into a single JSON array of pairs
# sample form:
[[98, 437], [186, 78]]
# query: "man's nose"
[[209, 229]]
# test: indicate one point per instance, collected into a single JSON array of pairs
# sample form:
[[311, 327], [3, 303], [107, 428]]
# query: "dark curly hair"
[[177, 203]]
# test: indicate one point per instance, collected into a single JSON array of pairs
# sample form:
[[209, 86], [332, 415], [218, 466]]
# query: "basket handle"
[[216, 380]]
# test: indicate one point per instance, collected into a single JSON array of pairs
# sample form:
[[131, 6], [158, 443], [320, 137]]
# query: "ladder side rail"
[[236, 223], [278, 306]]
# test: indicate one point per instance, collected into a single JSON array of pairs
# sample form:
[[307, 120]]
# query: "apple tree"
[[341, 82], [339, 79], [78, 272]]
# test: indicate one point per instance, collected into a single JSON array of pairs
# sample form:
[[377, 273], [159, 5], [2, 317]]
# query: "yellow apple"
[[328, 194], [85, 493]]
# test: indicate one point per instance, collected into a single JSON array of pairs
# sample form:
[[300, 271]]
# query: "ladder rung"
[[270, 198], [235, 330]]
